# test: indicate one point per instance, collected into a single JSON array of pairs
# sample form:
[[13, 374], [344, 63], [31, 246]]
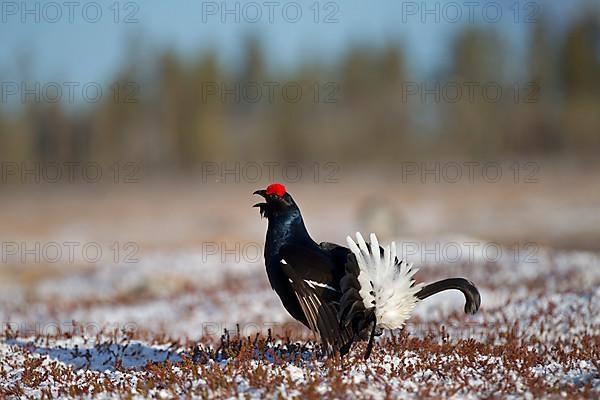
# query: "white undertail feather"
[[391, 282]]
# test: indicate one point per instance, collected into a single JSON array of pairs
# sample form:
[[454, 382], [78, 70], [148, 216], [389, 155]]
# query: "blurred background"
[[144, 127], [168, 73]]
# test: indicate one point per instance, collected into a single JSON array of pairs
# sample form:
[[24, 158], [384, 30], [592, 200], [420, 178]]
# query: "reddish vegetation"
[[536, 335], [432, 366]]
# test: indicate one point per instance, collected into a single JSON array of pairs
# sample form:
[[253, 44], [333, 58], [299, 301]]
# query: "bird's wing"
[[315, 267], [310, 274], [321, 315]]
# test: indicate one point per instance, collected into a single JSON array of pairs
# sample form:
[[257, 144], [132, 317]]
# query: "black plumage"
[[318, 283]]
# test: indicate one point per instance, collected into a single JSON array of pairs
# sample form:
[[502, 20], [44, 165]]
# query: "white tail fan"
[[385, 284]]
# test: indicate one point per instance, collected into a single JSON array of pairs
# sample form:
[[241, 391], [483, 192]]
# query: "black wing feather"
[[311, 264], [320, 314]]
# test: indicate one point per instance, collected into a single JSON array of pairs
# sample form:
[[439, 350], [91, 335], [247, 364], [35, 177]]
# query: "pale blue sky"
[[85, 51]]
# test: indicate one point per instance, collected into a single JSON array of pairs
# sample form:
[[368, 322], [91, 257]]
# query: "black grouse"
[[344, 294]]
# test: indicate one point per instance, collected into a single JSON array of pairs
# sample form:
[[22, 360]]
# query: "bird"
[[343, 294]]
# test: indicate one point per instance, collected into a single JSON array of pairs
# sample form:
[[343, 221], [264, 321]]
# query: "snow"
[[138, 329]]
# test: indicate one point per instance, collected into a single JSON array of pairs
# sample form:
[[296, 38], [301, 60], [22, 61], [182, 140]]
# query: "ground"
[[186, 321]]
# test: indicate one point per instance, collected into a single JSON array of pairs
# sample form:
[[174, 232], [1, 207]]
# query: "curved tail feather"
[[472, 296]]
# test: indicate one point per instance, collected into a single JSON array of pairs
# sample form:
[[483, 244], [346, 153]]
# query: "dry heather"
[[537, 335]]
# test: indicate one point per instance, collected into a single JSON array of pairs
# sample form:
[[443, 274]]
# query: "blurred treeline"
[[177, 124]]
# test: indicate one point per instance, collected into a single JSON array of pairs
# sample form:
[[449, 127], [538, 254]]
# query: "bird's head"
[[278, 202]]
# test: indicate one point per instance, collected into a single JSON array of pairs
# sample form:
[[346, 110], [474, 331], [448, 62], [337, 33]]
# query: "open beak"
[[261, 192]]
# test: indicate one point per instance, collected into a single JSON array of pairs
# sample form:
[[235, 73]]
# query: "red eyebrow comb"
[[276, 188]]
